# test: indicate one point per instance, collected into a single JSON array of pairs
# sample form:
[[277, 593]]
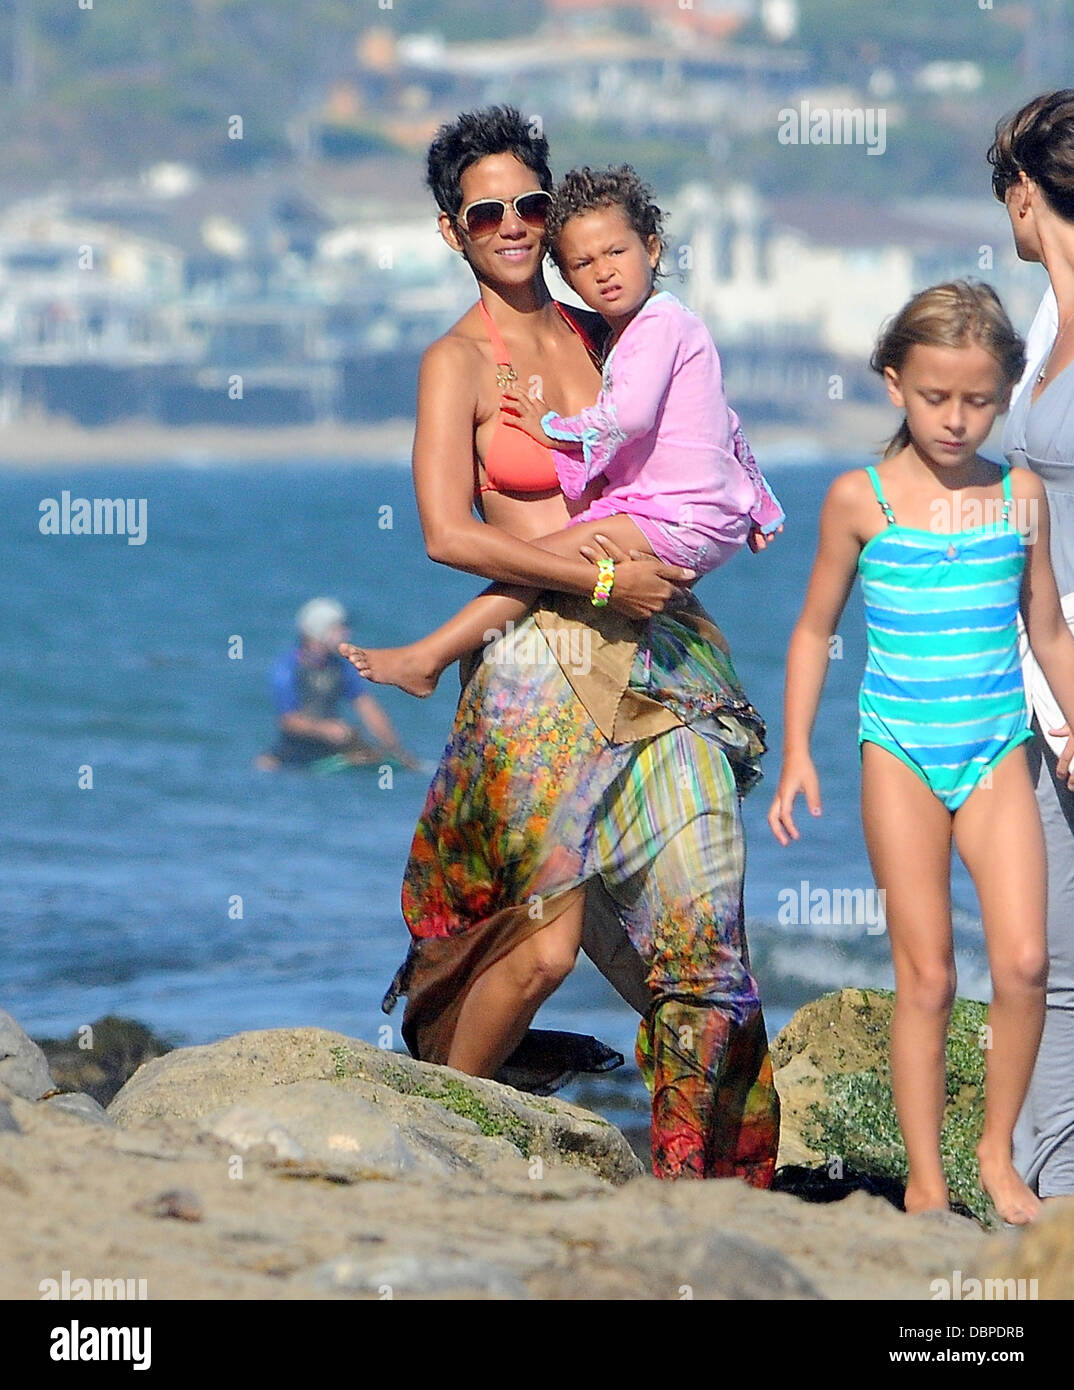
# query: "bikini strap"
[[503, 357], [572, 323], [499, 347], [874, 478], [579, 328]]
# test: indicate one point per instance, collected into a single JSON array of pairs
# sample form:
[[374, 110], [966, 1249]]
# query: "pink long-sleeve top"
[[661, 431]]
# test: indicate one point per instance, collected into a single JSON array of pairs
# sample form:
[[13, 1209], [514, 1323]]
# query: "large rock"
[[365, 1175], [23, 1066], [327, 1124], [833, 1074], [451, 1119], [85, 1107]]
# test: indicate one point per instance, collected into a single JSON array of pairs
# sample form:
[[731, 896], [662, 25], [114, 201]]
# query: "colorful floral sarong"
[[531, 800]]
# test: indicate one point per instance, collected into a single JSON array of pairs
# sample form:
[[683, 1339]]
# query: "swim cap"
[[314, 619]]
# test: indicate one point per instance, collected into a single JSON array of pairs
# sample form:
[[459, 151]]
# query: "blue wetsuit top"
[[301, 685]]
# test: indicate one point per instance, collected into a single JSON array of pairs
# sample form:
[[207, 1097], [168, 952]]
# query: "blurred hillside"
[[109, 89]]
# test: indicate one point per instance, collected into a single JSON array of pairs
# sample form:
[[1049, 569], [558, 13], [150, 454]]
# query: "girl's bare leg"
[[999, 836], [417, 667], [503, 1000], [908, 835]]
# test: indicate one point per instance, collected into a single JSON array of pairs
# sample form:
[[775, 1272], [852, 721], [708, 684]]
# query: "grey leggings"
[[1044, 1134]]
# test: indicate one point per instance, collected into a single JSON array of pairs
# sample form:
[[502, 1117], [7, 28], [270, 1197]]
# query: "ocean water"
[[124, 897]]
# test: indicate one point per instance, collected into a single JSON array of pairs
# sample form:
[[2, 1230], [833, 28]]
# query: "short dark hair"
[[1038, 139], [474, 135], [585, 190]]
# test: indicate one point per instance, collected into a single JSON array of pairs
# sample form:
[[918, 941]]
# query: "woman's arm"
[[1049, 635], [444, 483], [809, 651]]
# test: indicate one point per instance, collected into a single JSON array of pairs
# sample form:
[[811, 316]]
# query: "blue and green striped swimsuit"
[[942, 688]]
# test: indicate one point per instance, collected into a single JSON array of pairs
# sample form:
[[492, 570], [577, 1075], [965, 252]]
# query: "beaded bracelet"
[[603, 587]]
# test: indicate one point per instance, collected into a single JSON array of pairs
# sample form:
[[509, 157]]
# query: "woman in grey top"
[[1033, 174]]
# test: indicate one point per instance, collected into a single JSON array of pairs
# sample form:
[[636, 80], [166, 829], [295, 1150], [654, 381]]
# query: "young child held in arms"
[[680, 480], [942, 710]]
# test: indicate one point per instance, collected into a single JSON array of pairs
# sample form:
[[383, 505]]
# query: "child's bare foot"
[[925, 1197], [1014, 1202], [407, 667]]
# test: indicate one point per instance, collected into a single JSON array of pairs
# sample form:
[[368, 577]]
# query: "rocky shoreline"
[[303, 1164]]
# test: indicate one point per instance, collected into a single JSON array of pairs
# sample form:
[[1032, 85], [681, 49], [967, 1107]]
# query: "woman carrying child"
[[619, 785], [677, 478]]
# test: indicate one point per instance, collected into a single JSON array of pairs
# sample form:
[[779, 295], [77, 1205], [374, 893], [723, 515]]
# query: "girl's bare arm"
[[808, 652]]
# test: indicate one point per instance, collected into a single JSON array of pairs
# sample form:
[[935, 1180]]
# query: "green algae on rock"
[[455, 1093], [833, 1074]]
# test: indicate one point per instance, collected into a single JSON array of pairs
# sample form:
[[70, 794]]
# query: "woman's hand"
[[522, 412], [757, 540], [643, 584], [798, 775]]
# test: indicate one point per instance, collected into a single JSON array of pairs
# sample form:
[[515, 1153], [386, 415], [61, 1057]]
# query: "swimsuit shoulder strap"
[[1008, 496], [568, 318], [874, 478], [503, 358], [588, 342]]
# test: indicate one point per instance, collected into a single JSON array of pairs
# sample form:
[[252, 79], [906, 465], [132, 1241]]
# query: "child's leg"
[[999, 837], [417, 667], [503, 999], [908, 835]]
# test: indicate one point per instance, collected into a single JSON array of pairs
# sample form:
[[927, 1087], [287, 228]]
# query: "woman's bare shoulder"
[[458, 351]]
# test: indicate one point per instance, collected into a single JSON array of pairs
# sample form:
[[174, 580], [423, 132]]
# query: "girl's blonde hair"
[[955, 315]]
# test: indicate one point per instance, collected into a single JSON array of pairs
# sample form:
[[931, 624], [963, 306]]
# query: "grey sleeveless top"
[[1040, 435]]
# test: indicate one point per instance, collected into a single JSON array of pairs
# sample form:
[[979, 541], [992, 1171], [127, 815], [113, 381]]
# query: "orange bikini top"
[[515, 462]]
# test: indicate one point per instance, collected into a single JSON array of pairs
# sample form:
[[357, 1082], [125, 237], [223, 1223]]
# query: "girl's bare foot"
[[925, 1197], [1014, 1202], [407, 667]]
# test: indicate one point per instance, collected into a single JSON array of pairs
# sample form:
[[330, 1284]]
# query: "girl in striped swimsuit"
[[950, 548]]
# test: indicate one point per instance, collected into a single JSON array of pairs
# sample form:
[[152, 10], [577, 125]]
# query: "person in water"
[[309, 683], [678, 480], [601, 810], [944, 725]]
